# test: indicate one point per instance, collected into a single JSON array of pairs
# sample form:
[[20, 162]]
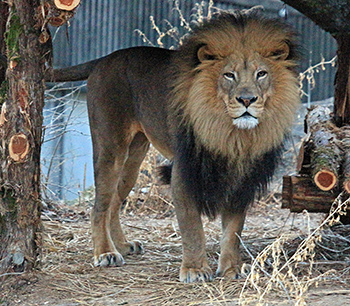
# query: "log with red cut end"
[[324, 148], [325, 179], [325, 160]]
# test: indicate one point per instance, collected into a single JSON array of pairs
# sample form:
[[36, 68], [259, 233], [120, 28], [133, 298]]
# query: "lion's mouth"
[[246, 121], [246, 115]]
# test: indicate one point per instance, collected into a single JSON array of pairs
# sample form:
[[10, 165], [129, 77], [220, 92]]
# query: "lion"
[[218, 108]]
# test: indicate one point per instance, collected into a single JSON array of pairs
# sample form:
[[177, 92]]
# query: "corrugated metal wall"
[[102, 26]]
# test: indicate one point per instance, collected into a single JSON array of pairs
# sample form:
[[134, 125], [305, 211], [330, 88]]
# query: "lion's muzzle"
[[246, 121]]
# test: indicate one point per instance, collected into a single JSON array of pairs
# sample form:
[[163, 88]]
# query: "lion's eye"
[[230, 76], [261, 74]]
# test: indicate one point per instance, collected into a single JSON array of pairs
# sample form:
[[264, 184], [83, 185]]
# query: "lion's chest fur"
[[217, 183]]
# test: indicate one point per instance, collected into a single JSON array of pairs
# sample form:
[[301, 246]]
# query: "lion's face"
[[244, 86]]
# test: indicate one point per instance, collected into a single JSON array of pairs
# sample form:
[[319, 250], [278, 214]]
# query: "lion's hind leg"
[[230, 258], [107, 167], [115, 174], [137, 152]]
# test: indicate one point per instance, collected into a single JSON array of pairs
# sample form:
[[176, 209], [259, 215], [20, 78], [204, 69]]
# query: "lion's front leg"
[[230, 257], [194, 267]]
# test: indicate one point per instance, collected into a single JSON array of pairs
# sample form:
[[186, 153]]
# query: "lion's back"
[[132, 85]]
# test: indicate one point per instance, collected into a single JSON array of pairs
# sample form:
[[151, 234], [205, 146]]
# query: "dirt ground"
[[66, 276]]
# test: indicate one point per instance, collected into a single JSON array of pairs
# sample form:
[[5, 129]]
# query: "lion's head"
[[236, 86]]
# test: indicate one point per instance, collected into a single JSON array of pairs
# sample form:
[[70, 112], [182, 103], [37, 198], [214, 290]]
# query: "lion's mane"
[[222, 166]]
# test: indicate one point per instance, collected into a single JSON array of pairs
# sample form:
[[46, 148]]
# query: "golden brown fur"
[[218, 108], [193, 91]]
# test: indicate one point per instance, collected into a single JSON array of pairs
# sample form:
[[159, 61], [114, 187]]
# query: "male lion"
[[218, 108]]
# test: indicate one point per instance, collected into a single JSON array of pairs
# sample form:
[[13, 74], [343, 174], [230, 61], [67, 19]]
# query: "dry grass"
[[291, 270], [288, 255]]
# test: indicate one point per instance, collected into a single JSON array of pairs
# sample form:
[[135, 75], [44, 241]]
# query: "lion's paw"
[[111, 259], [131, 247], [234, 272], [193, 275]]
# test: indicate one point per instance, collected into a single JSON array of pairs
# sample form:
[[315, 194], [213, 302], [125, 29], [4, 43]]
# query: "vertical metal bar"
[[309, 83]]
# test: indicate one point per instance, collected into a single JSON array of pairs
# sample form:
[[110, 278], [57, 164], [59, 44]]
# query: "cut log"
[[317, 115], [323, 148], [67, 5], [325, 180], [299, 193], [325, 160]]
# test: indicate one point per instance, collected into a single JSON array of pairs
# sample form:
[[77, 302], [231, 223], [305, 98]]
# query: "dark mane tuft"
[[215, 183]]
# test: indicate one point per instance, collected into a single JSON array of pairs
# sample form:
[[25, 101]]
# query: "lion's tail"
[[74, 73]]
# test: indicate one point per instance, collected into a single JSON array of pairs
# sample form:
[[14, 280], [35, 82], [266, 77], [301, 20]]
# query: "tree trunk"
[[20, 134], [342, 81]]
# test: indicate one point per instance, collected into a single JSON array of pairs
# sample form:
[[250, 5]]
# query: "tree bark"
[[20, 135], [344, 135], [3, 18], [342, 81], [330, 15]]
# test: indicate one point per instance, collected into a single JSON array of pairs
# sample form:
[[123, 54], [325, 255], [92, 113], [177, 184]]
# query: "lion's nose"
[[246, 100]]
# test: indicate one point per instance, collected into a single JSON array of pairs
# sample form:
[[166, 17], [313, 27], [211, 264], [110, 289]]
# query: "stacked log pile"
[[323, 165]]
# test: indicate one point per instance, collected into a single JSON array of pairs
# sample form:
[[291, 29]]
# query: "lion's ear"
[[281, 53], [204, 54]]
